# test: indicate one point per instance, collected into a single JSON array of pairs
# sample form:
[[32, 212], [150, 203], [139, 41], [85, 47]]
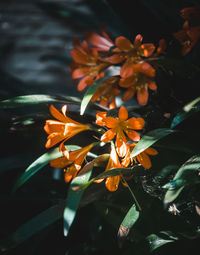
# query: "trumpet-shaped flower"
[[107, 92], [131, 52], [121, 127], [73, 160], [142, 158], [137, 79], [61, 129], [87, 65]]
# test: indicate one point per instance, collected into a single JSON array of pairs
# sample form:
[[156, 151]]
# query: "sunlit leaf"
[[128, 222], [32, 227], [20, 101], [157, 240], [150, 138], [90, 92], [186, 175]]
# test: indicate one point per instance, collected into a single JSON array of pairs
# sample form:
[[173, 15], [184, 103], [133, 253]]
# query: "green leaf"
[[74, 196], [156, 241], [128, 222], [111, 172], [32, 227], [150, 138], [90, 92], [188, 110], [186, 175], [20, 101], [40, 163]]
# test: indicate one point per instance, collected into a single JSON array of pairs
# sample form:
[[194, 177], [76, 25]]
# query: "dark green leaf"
[[90, 92], [36, 99], [32, 227], [186, 175], [150, 138]]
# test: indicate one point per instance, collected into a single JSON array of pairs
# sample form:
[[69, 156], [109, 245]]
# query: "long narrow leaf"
[[35, 99], [90, 92], [150, 138]]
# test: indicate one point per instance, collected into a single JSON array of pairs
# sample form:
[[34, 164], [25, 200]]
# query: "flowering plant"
[[130, 127]]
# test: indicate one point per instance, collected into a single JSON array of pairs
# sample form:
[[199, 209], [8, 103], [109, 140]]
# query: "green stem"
[[136, 202]]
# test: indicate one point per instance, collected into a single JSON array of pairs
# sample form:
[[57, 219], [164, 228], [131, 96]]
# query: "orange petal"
[[78, 73], [108, 136], [144, 160], [112, 182], [98, 41], [111, 122], [142, 96], [147, 69], [151, 151], [127, 70], [123, 113], [101, 118], [138, 40], [79, 57], [59, 162], [148, 49], [133, 135], [56, 114], [53, 139], [84, 83], [116, 58], [152, 85], [53, 126], [121, 145], [128, 94], [123, 43], [127, 82], [135, 123]]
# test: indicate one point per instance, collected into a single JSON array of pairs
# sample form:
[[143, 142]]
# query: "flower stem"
[[136, 202]]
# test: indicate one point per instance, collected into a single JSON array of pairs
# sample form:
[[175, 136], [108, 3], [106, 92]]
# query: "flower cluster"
[[98, 53], [190, 32], [136, 75], [121, 129]]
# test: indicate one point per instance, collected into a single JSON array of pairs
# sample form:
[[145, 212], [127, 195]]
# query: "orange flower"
[[122, 128], [63, 129], [138, 78], [131, 53], [72, 159], [187, 37], [87, 65], [112, 182], [143, 158], [101, 42], [107, 92]]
